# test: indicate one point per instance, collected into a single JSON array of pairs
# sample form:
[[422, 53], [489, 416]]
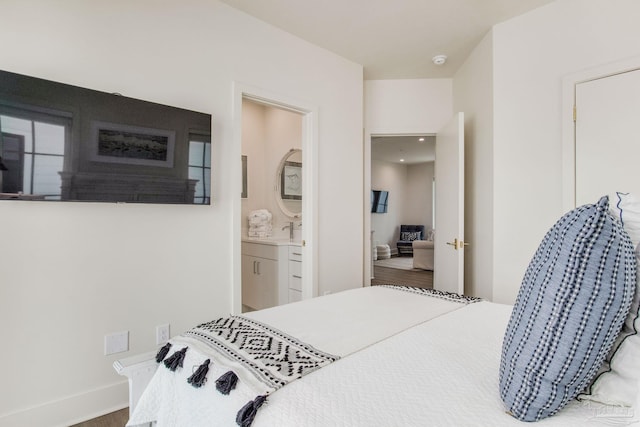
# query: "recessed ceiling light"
[[402, 160], [439, 59], [421, 139]]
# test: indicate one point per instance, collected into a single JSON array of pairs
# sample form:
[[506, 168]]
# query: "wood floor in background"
[[114, 419], [394, 276]]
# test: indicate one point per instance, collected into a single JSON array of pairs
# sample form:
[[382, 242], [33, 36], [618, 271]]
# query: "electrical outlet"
[[116, 342], [162, 334]]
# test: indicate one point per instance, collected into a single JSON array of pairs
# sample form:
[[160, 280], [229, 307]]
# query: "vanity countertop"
[[271, 241]]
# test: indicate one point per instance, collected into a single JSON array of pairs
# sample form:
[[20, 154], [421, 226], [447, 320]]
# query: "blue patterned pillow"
[[573, 300], [410, 236]]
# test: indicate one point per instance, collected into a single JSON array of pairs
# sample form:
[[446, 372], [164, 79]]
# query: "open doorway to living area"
[[402, 209]]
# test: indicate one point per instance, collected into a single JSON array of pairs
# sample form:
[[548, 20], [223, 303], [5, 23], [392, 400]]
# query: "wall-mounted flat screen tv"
[[67, 143], [379, 201]]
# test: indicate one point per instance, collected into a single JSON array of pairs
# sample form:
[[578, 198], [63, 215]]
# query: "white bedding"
[[399, 370], [440, 373], [348, 321], [339, 324]]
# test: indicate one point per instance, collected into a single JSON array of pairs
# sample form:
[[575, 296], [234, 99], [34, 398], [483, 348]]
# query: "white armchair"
[[423, 254]]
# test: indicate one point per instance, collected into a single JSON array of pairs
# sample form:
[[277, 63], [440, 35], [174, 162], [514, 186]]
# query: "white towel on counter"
[[260, 223]]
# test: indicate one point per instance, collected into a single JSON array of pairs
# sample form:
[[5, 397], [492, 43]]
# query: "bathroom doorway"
[[275, 139], [272, 196]]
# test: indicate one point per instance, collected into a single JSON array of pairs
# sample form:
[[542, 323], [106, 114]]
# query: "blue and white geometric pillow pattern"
[[573, 300], [410, 236]]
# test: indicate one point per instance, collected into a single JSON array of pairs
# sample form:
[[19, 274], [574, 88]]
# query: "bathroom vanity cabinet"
[[295, 273], [271, 273]]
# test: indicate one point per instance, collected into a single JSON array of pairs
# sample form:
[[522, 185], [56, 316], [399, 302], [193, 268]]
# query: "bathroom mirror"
[[289, 183]]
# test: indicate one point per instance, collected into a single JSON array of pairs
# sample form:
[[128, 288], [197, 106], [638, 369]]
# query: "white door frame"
[[309, 182], [568, 125], [367, 267]]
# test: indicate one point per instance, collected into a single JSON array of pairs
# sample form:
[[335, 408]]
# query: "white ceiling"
[[406, 150], [392, 39]]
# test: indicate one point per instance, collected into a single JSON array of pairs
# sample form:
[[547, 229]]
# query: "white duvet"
[[402, 371], [440, 373]]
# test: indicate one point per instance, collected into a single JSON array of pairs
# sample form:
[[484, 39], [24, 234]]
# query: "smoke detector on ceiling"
[[439, 59]]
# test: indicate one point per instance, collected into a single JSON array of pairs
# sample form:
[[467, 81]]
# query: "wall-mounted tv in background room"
[[379, 201], [67, 143]]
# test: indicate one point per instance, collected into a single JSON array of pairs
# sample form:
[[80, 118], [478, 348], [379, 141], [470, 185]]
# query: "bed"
[[374, 356]]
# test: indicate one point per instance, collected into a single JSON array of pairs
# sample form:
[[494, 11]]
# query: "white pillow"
[[626, 208], [618, 380], [431, 234]]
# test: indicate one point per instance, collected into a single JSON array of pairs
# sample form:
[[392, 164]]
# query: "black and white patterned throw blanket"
[[263, 358], [273, 357], [448, 296]]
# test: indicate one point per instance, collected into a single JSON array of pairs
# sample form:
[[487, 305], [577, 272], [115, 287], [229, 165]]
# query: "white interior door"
[[449, 234], [606, 132]]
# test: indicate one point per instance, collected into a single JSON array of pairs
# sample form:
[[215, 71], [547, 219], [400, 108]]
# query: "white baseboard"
[[72, 409]]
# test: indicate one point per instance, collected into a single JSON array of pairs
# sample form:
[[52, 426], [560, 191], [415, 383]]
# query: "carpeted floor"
[[400, 271], [400, 263], [395, 276]]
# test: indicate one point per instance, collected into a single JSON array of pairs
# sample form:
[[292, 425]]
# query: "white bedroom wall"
[[391, 177], [407, 106], [473, 94], [532, 53], [418, 205], [73, 272]]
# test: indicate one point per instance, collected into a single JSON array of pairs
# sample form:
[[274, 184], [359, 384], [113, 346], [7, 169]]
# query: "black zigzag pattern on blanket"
[[274, 357], [449, 296]]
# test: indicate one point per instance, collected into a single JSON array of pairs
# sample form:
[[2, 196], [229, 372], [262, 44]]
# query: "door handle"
[[457, 244]]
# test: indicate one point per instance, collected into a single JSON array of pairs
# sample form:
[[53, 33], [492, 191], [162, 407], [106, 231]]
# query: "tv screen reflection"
[[66, 143]]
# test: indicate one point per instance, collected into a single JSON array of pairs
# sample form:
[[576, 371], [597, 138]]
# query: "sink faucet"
[[290, 227]]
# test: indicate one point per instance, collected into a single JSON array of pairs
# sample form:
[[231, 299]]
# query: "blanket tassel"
[[226, 382], [199, 377], [175, 360], [162, 353], [248, 412]]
